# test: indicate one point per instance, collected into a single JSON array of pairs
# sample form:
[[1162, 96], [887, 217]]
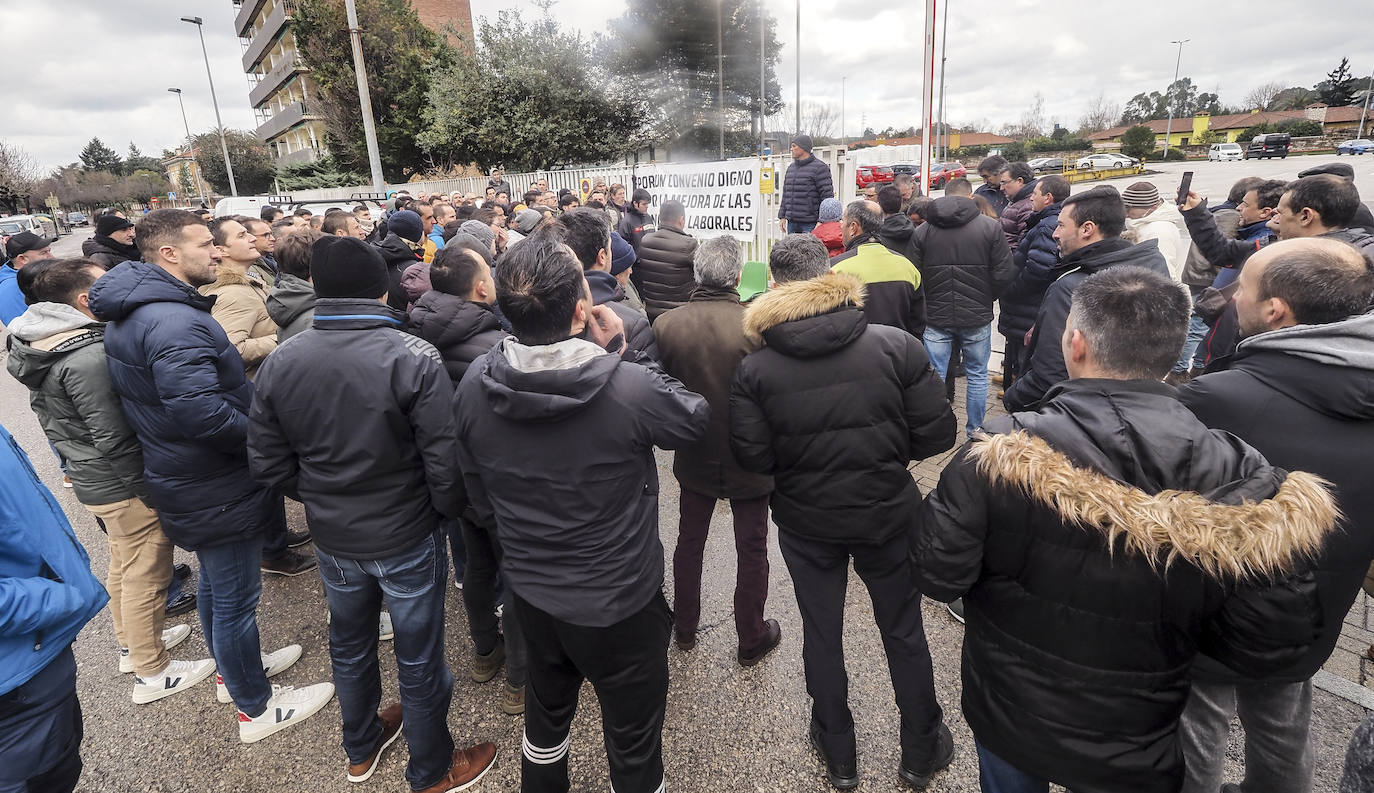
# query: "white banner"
[[720, 197]]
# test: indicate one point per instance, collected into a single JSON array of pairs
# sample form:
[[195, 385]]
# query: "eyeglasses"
[[1006, 182]]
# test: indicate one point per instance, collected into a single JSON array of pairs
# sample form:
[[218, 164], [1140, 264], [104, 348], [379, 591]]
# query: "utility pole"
[[763, 95], [720, 77], [843, 140], [219, 125], [374, 157], [943, 134], [1169, 128], [799, 129], [927, 91], [1368, 97], [200, 188]]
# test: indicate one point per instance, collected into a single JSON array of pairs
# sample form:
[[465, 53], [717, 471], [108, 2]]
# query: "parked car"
[[1356, 146], [1106, 160], [942, 172], [42, 225], [1047, 165], [866, 175], [1264, 147], [1219, 152], [77, 219]]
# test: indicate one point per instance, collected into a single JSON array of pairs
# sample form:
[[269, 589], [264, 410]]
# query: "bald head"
[[1306, 281]]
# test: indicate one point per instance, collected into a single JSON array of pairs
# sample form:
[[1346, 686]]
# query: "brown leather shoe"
[[685, 640], [391, 730], [770, 641], [469, 765]]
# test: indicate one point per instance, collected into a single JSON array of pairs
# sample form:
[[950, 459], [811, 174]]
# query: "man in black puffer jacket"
[[112, 243], [1017, 181], [1102, 542], [664, 269], [965, 264], [835, 408], [1036, 258], [805, 186], [456, 314]]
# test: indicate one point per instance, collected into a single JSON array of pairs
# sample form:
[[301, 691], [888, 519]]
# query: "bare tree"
[[818, 119], [1032, 123], [1261, 96], [1101, 114], [18, 174]]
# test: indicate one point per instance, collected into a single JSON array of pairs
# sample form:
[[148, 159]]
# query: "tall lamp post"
[[374, 156], [1169, 129], [223, 144], [194, 171]]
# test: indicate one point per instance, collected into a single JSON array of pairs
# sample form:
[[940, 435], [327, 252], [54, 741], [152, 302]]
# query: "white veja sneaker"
[[272, 664], [178, 676], [170, 638], [384, 630], [287, 706]]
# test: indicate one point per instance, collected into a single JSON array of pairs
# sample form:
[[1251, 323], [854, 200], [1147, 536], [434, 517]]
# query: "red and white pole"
[[927, 96]]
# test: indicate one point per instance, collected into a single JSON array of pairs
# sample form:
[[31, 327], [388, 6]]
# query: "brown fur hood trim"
[[799, 300], [1245, 541]]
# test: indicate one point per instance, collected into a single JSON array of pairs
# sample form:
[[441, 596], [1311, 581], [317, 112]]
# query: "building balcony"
[[243, 20], [303, 155], [271, 31], [282, 120], [274, 80]]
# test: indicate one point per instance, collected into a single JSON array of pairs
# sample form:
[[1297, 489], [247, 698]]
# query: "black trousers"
[[480, 596], [820, 575], [627, 665], [41, 730], [1011, 361]]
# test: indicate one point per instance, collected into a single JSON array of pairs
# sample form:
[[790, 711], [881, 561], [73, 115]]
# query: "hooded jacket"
[[964, 262], [895, 233], [241, 307], [806, 184], [183, 389], [834, 407], [1166, 225], [1036, 259], [291, 304], [665, 269], [1014, 215], [606, 290], [461, 330], [1304, 397], [994, 195], [556, 447], [105, 252], [832, 235], [1043, 361], [398, 255], [48, 590], [702, 343], [892, 284], [1099, 545], [634, 225], [58, 353], [373, 457]]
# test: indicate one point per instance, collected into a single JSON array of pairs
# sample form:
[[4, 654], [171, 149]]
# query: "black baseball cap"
[[25, 241]]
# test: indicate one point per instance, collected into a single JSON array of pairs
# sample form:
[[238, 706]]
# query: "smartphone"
[[1183, 187]]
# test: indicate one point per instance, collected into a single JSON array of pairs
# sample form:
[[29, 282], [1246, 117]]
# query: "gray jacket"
[[291, 305]]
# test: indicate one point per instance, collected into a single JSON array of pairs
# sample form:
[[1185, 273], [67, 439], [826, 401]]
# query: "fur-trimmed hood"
[[1227, 541], [801, 300]]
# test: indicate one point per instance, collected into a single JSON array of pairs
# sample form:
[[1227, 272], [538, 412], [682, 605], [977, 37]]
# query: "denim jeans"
[[975, 344], [414, 583], [996, 775], [1197, 331], [230, 586], [797, 227]]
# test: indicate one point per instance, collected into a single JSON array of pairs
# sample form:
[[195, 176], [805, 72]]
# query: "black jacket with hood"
[[665, 269], [1043, 361], [462, 331], [964, 262], [372, 455], [1099, 545], [556, 447], [398, 255], [1304, 397], [606, 290], [834, 407], [895, 233], [893, 292], [105, 252]]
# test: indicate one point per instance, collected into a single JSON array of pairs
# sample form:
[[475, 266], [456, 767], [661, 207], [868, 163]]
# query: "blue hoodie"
[[47, 592], [11, 299]]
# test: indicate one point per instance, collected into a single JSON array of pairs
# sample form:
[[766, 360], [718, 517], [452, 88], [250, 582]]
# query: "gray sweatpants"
[[1278, 749]]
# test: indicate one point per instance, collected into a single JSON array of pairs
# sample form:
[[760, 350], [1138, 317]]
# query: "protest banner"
[[720, 197]]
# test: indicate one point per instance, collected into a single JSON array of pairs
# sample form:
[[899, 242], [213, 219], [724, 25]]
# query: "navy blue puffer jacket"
[[806, 185], [1035, 258], [183, 389]]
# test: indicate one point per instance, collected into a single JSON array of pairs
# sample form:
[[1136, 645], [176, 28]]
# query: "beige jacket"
[[241, 309]]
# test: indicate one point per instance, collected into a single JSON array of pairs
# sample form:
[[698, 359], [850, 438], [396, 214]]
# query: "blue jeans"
[[798, 227], [230, 586], [996, 775], [41, 730], [414, 584], [975, 345], [1197, 331]]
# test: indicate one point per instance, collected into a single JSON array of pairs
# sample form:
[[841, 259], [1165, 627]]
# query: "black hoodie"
[[964, 260]]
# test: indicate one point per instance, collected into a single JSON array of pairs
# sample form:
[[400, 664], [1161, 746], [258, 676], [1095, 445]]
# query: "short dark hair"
[[454, 271], [26, 277], [1267, 192], [959, 186], [890, 199], [992, 165], [567, 200], [1019, 170], [484, 215], [1322, 283], [217, 228], [1054, 186], [861, 212], [1332, 197], [302, 212], [162, 227], [798, 257], [538, 286], [336, 222], [531, 197], [1241, 187], [293, 252], [640, 194], [587, 232], [464, 212], [269, 212], [438, 205], [283, 226], [671, 212], [920, 205], [58, 280], [360, 208], [1134, 320], [1101, 205]]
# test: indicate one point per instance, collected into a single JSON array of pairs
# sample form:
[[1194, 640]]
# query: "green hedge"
[[1175, 153]]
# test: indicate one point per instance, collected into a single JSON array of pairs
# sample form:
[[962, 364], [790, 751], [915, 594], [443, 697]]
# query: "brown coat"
[[701, 343], [241, 309]]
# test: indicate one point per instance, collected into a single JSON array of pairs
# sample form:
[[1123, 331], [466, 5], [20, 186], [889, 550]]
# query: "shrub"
[[1175, 153], [1138, 141]]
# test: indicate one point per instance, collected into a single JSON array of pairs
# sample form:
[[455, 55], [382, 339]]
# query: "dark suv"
[[1274, 144]]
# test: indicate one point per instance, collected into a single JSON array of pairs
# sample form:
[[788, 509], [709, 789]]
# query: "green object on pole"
[[753, 281]]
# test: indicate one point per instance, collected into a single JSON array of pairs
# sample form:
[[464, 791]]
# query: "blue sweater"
[[11, 299]]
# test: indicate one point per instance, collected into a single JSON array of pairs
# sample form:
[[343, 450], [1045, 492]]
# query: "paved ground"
[[727, 728]]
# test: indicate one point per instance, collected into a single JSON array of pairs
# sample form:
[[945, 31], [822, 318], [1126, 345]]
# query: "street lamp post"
[[194, 170], [374, 156], [799, 129], [1169, 128], [842, 138], [223, 144]]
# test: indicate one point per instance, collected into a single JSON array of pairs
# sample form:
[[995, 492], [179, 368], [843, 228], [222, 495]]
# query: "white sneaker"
[[272, 664], [170, 638], [287, 706], [384, 630], [178, 676]]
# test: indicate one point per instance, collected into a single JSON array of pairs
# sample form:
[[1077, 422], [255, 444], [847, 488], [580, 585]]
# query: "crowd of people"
[[1166, 530]]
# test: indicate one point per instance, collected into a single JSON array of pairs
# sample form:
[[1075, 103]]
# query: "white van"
[[250, 205], [1218, 152]]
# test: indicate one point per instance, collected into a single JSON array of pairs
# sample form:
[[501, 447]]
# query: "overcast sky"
[[100, 67]]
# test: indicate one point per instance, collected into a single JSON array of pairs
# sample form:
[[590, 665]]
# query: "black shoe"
[[956, 610], [771, 640], [685, 640], [295, 539], [181, 572], [919, 771], [184, 603], [290, 563], [844, 776]]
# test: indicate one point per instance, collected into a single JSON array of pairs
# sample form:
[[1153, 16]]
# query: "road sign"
[[766, 180], [51, 201], [171, 196]]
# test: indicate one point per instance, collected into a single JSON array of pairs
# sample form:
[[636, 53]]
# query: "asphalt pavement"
[[727, 728]]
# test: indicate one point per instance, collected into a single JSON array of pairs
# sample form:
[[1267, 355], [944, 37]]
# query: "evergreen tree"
[[99, 157]]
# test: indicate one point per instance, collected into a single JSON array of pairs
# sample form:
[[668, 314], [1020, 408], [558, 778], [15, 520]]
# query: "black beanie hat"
[[109, 224], [347, 267]]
